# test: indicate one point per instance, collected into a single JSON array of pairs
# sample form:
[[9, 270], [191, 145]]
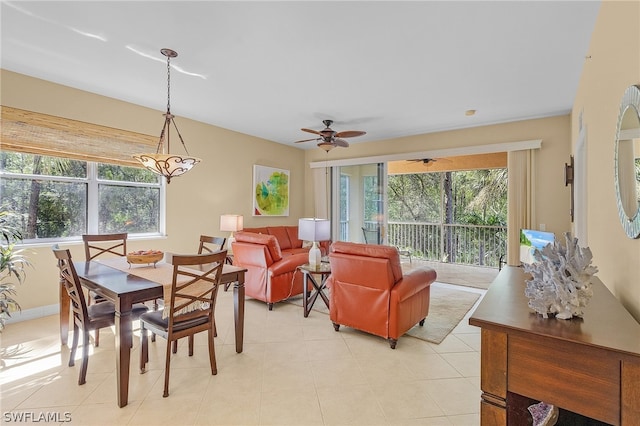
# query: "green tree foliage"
[[415, 197], [435, 200], [56, 205]]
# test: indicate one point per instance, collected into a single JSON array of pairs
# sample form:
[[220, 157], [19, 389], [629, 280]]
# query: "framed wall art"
[[270, 191]]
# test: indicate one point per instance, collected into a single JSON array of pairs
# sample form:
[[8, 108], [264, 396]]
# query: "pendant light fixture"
[[163, 162]]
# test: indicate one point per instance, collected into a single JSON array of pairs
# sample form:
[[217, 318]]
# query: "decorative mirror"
[[627, 162]]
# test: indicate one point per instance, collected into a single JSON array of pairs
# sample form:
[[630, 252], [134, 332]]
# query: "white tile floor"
[[293, 371]]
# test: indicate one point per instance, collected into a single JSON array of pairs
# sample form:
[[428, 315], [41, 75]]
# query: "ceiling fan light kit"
[[329, 138], [163, 162]]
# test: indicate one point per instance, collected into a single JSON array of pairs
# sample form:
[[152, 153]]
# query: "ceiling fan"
[[428, 161], [329, 138]]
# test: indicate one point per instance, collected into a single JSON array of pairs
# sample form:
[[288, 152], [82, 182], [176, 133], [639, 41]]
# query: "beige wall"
[[552, 199], [614, 64], [220, 184]]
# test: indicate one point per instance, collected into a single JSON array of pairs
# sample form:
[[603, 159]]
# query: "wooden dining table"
[[114, 280]]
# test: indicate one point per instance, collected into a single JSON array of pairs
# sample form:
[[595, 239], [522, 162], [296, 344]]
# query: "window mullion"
[[92, 198]]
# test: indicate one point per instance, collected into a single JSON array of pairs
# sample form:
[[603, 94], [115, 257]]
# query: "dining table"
[[125, 284]]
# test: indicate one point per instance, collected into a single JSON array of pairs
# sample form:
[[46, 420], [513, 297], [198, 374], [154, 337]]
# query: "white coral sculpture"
[[561, 279]]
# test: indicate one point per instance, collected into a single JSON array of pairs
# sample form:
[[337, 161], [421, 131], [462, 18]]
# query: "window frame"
[[93, 184]]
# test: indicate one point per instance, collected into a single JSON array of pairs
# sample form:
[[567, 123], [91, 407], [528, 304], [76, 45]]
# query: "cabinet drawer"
[[576, 377]]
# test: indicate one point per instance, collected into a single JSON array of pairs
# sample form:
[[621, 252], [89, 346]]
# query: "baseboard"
[[33, 313]]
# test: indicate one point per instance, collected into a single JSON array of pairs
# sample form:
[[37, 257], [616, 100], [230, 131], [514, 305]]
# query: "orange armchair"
[[270, 277], [369, 291]]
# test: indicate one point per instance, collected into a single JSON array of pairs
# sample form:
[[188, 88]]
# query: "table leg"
[[238, 311], [305, 293], [321, 290], [123, 352], [65, 308]]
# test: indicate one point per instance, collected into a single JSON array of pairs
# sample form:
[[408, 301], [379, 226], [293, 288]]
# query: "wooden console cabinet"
[[587, 366]]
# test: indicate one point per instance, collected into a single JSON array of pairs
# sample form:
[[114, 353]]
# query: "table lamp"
[[231, 223], [314, 230]]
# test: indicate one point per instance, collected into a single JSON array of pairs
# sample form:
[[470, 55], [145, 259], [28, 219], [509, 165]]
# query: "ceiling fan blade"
[[350, 134], [311, 131], [341, 142], [307, 140]]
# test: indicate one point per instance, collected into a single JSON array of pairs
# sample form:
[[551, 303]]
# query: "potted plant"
[[12, 266]]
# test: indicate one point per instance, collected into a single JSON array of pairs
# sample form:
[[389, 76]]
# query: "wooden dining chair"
[[189, 309], [85, 317], [96, 245], [99, 244], [212, 244]]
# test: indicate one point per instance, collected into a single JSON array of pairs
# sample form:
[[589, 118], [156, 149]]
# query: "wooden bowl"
[[144, 258]]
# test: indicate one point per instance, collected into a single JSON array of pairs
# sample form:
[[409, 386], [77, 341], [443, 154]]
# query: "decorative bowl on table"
[[144, 257]]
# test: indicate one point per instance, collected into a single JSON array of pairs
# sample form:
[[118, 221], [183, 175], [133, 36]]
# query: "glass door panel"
[[359, 201]]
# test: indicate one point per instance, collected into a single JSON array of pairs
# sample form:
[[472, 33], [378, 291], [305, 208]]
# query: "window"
[[58, 198]]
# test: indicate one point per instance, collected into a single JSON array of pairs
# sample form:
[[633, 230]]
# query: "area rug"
[[447, 307]]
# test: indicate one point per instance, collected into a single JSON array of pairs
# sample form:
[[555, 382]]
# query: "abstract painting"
[[270, 191]]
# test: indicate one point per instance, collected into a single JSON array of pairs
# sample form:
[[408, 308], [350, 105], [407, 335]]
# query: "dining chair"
[[85, 317], [188, 309], [96, 245], [211, 244]]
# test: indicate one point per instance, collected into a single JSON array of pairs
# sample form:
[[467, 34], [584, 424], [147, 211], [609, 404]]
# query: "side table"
[[308, 272]]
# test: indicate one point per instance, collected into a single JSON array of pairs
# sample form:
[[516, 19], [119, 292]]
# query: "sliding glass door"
[[359, 203]]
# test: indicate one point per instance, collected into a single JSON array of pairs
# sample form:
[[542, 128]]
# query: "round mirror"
[[627, 162]]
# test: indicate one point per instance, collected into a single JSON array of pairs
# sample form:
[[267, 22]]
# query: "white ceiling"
[[269, 68]]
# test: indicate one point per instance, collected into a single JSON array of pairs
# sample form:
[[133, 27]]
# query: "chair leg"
[[144, 349], [167, 365], [174, 346], [96, 337], [422, 322], [191, 345], [85, 358], [393, 342], [74, 345], [270, 305], [336, 327], [212, 354]]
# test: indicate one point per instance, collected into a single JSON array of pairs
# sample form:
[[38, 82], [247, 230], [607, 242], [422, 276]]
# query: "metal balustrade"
[[478, 245]]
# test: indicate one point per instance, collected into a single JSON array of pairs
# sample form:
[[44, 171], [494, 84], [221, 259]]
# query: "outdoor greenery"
[[12, 267], [53, 197], [455, 216]]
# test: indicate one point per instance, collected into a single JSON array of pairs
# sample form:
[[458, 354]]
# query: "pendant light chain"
[[164, 163], [168, 84]]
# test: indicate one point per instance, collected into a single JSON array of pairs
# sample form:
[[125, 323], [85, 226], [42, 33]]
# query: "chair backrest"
[[369, 265], [98, 244], [194, 286], [211, 244], [69, 279], [371, 236]]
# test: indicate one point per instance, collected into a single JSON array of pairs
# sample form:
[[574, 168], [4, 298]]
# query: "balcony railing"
[[477, 245]]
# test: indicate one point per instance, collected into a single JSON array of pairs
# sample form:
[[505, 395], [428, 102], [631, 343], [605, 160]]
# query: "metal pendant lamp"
[[162, 162]]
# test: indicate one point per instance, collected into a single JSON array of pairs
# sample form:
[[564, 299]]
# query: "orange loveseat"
[[369, 291], [271, 256]]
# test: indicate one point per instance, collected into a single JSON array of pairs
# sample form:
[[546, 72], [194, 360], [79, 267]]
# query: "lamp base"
[[314, 255]]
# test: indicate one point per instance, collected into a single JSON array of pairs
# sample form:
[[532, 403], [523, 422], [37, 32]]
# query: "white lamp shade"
[[312, 229], [231, 222]]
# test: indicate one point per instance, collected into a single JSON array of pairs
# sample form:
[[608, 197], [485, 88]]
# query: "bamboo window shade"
[[42, 134]]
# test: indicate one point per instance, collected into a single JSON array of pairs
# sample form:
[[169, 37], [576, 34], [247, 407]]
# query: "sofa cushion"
[[259, 230], [265, 239], [280, 232], [292, 231]]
